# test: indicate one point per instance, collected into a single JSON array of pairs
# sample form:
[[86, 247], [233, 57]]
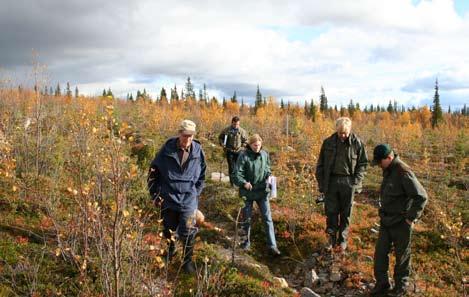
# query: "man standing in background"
[[340, 170], [233, 139]]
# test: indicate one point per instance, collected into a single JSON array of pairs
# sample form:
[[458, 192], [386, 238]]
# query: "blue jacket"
[[178, 187]]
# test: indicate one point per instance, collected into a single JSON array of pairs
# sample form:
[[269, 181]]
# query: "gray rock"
[[307, 292], [335, 276], [328, 286], [310, 263], [311, 278], [280, 282]]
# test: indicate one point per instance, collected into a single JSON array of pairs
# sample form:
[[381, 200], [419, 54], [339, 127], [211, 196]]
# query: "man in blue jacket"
[[175, 182]]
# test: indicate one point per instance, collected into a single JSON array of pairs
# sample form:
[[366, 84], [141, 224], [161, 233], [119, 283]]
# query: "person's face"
[[185, 140], [343, 133], [256, 146], [384, 163], [235, 124]]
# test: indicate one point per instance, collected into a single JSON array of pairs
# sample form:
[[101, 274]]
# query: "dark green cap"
[[380, 152]]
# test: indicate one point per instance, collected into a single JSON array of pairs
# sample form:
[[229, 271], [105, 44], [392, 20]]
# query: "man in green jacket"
[[401, 203], [233, 140], [340, 170]]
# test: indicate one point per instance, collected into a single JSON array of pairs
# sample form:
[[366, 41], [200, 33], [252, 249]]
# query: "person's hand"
[[409, 222], [248, 186], [158, 201]]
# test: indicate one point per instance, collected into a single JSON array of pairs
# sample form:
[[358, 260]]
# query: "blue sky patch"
[[300, 33], [461, 6]]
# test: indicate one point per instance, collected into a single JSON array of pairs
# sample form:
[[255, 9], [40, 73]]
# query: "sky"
[[370, 51]]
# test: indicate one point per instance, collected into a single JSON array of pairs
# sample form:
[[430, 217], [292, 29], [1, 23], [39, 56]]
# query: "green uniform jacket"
[[254, 168], [235, 141], [357, 159], [402, 195]]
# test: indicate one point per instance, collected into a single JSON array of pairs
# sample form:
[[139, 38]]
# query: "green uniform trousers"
[[397, 236], [338, 206]]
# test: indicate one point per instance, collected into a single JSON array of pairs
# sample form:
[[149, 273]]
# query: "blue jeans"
[[264, 207]]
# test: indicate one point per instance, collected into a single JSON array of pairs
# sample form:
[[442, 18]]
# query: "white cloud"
[[368, 51]]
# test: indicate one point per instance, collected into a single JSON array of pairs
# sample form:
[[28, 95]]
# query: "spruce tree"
[[189, 89], [77, 94], [437, 113], [205, 93], [306, 109], [68, 91], [58, 91], [322, 101], [282, 105], [163, 96], [234, 99], [258, 102], [174, 94], [313, 110], [390, 107]]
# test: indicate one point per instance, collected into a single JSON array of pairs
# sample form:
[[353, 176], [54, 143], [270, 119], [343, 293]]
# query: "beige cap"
[[187, 127]]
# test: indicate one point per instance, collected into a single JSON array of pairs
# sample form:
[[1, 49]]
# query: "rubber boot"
[[187, 265]]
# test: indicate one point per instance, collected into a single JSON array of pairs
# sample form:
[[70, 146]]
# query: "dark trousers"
[[181, 223], [397, 236], [338, 206], [231, 157]]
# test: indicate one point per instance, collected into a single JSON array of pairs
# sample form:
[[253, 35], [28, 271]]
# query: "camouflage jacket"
[[402, 195], [236, 138]]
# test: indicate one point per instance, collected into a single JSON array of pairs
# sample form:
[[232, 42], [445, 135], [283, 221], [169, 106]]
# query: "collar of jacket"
[[349, 140], [171, 147], [250, 152], [394, 161], [179, 147]]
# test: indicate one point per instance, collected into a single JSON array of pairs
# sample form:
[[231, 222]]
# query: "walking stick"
[[221, 165], [223, 155]]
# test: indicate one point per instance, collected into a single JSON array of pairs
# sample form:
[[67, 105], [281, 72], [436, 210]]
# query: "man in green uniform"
[[340, 170], [402, 201], [233, 139]]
